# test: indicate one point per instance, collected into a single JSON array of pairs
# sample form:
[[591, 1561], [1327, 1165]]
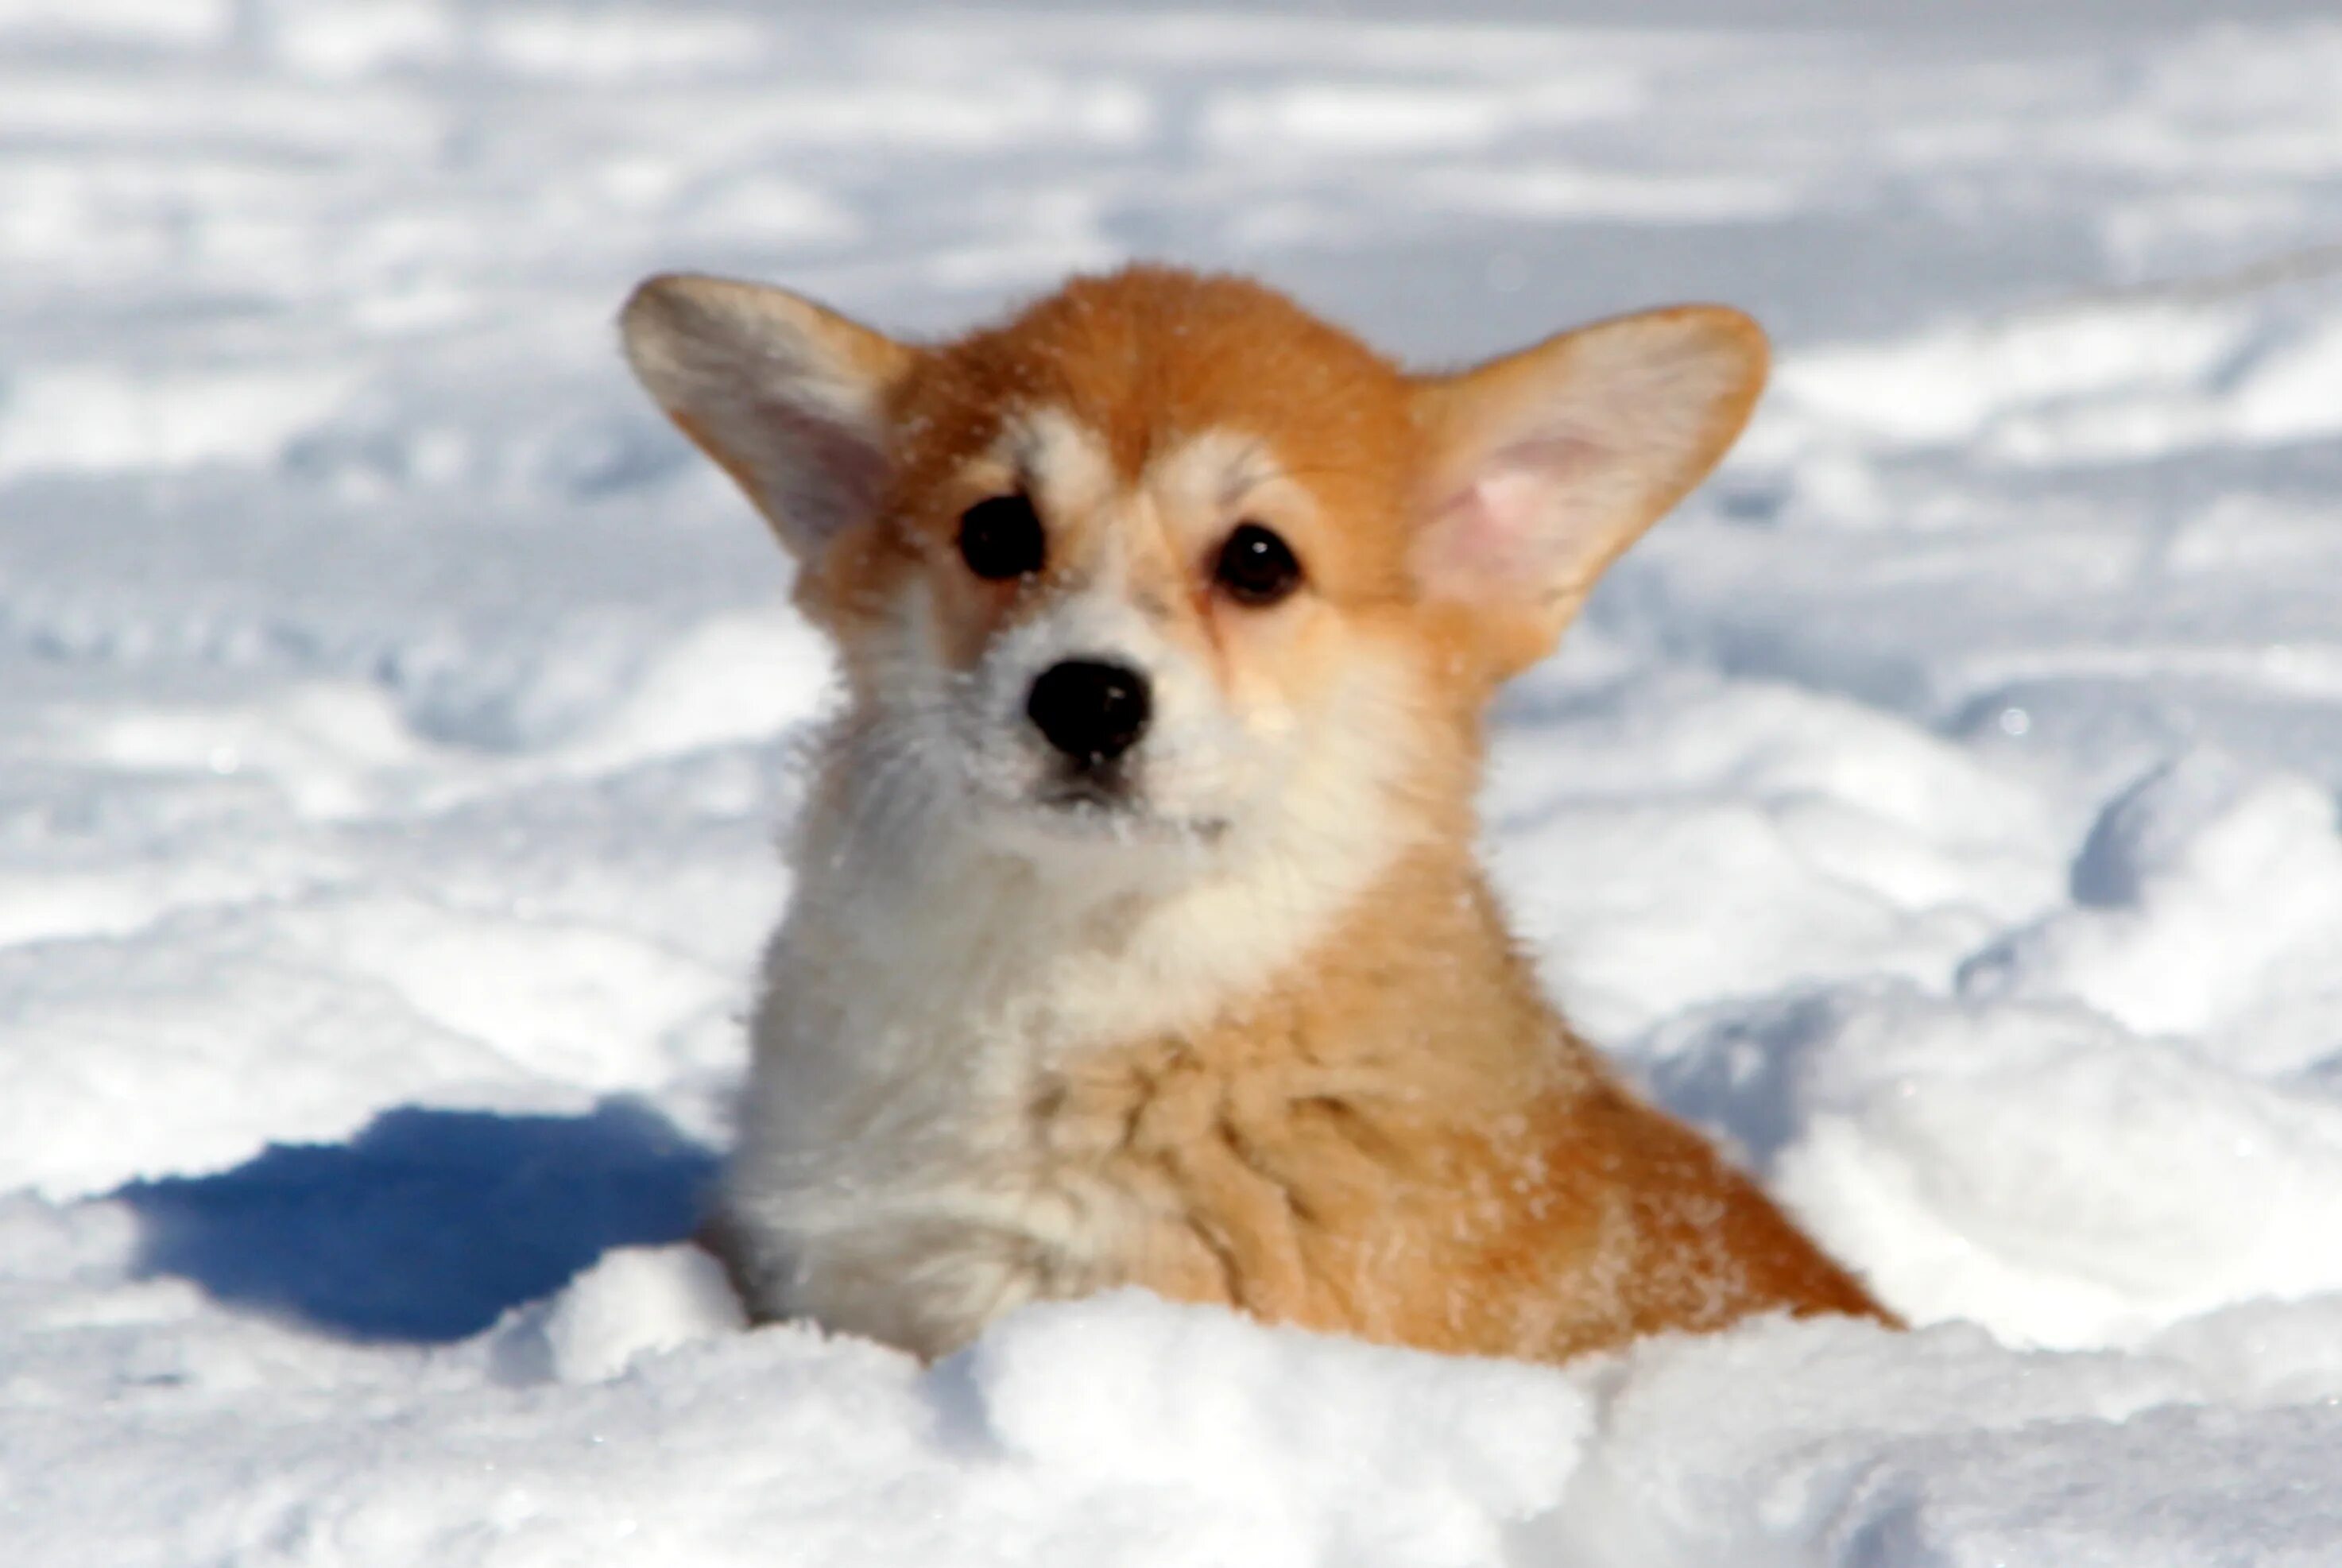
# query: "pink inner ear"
[[1482, 531], [1511, 531]]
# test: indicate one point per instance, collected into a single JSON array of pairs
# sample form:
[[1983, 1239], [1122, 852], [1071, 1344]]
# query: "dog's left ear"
[[1543, 466], [787, 396]]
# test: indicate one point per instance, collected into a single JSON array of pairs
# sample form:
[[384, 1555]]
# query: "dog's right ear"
[[1546, 465], [789, 397]]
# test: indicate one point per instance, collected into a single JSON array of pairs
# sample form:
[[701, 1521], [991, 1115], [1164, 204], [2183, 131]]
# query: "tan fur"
[[1268, 1044], [1401, 1142]]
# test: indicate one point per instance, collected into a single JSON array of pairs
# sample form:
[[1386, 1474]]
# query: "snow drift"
[[394, 720]]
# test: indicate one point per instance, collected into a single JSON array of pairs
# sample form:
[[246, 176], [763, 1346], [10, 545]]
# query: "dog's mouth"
[[1103, 802], [1103, 788], [1071, 804]]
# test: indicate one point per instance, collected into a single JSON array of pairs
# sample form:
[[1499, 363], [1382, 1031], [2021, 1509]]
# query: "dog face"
[[1164, 567]]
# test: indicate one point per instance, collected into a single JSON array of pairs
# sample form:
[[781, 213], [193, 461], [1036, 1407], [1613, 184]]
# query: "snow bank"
[[1119, 1429], [394, 719]]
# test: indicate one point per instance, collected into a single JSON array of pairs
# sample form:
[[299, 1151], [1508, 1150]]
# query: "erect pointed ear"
[[1545, 465], [789, 397]]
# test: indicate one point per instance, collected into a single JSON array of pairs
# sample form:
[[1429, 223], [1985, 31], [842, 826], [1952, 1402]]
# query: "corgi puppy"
[[1137, 935]]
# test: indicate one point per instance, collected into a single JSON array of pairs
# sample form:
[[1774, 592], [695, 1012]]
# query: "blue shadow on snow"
[[429, 1224]]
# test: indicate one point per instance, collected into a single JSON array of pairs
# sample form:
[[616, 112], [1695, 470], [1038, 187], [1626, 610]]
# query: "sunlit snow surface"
[[394, 721]]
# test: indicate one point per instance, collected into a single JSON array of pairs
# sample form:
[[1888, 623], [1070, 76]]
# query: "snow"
[[394, 721]]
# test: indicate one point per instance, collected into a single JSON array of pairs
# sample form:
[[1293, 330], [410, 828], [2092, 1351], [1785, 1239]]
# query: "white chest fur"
[[896, 1175]]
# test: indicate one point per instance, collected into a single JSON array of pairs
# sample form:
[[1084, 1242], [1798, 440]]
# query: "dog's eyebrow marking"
[[1215, 467], [1249, 469], [1058, 459], [1027, 446]]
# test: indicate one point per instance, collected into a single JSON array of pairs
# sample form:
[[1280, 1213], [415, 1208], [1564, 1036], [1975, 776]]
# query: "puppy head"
[[1165, 561]]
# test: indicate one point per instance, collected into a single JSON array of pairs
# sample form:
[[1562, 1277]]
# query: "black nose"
[[1091, 712]]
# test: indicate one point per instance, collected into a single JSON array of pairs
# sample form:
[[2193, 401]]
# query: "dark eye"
[[1257, 567], [1001, 538]]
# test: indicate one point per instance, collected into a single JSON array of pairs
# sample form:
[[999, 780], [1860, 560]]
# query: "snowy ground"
[[393, 721]]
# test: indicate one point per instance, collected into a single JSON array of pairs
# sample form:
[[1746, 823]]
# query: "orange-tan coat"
[[1202, 989]]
